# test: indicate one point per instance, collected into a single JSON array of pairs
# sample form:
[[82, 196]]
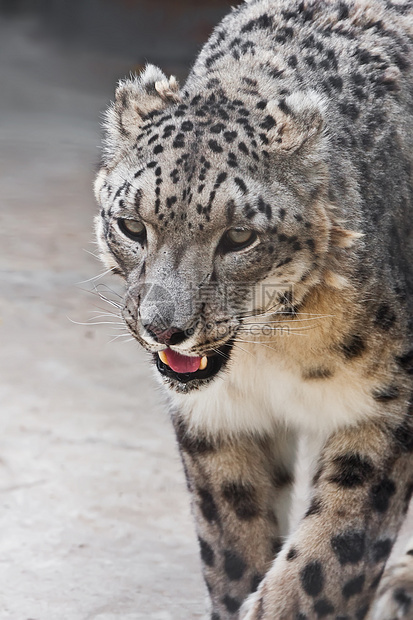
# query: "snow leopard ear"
[[295, 122], [134, 100]]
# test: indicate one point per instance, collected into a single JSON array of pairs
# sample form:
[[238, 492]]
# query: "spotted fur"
[[295, 125]]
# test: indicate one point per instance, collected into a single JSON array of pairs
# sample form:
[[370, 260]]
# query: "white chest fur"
[[262, 389]]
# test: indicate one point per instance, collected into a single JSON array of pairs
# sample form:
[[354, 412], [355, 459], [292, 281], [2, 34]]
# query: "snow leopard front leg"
[[240, 492], [332, 564]]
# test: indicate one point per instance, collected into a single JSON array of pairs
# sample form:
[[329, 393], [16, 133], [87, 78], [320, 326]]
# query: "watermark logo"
[[255, 307], [272, 296]]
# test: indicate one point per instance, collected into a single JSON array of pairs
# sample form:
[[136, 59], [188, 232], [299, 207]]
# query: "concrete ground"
[[94, 515]]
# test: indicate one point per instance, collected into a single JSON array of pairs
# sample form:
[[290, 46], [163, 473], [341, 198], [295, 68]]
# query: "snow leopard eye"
[[236, 239], [133, 229]]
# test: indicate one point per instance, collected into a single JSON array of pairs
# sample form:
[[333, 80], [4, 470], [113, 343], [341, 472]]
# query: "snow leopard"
[[261, 217]]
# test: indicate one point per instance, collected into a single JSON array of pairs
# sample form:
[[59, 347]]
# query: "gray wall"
[[168, 31]]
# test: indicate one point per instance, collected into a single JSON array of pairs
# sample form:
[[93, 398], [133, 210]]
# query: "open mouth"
[[186, 368]]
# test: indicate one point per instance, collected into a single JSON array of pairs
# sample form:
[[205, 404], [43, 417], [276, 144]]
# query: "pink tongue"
[[182, 363]]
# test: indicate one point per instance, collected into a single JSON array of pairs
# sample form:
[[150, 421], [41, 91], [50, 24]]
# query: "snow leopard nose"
[[170, 336]]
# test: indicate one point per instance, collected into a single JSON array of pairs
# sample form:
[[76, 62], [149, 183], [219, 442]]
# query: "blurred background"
[[94, 514]]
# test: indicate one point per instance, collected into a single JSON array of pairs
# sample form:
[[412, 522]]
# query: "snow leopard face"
[[214, 211]]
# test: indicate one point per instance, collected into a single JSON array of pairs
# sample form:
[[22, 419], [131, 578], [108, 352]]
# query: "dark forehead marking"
[[215, 146], [264, 207], [211, 111], [167, 131], [230, 136], [211, 199], [153, 138], [243, 148], [170, 201], [249, 211], [138, 199], [217, 128], [179, 141], [230, 211], [240, 183], [220, 179], [163, 119], [187, 126], [120, 190], [232, 160]]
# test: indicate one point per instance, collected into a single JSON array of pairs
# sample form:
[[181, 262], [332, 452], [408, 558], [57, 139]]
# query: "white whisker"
[[106, 315], [284, 321], [101, 275], [121, 336], [97, 323], [92, 253], [236, 344], [108, 288]]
